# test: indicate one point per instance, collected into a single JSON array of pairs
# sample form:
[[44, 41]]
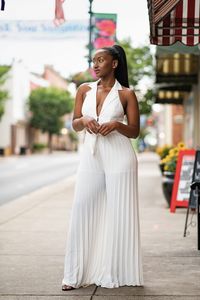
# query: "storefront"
[[175, 29], [177, 88]]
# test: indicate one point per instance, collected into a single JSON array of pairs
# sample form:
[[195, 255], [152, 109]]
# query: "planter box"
[[167, 185]]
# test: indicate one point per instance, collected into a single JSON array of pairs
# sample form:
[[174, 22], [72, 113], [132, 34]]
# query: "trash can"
[[22, 150], [2, 152]]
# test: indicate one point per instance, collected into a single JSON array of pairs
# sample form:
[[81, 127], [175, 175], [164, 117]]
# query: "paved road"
[[20, 175]]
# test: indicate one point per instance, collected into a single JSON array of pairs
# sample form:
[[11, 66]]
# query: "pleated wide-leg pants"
[[103, 243]]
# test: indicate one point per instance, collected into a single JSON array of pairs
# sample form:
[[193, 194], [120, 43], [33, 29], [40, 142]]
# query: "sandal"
[[67, 287]]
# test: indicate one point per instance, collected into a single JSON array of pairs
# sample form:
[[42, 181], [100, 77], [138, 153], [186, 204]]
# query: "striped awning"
[[174, 20]]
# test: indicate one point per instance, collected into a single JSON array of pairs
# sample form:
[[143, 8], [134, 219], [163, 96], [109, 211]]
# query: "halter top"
[[112, 108]]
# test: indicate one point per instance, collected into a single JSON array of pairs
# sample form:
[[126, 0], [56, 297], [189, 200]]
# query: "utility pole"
[[90, 34]]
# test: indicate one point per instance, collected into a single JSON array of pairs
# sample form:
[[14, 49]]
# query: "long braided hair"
[[121, 72]]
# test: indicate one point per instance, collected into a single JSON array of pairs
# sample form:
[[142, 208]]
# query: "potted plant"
[[163, 152], [169, 168]]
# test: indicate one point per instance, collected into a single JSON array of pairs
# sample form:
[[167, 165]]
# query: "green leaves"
[[146, 102], [48, 105], [3, 93], [140, 66], [140, 62]]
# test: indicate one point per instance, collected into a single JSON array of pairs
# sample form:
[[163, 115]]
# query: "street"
[[20, 175]]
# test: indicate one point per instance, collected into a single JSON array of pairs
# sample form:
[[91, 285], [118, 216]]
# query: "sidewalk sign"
[[195, 177], [194, 194], [183, 178]]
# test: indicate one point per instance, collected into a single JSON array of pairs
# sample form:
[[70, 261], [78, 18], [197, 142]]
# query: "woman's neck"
[[107, 82]]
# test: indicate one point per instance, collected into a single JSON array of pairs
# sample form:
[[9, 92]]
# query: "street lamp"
[[90, 34]]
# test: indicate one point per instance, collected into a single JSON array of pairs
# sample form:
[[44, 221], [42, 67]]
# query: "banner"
[[75, 29], [103, 30]]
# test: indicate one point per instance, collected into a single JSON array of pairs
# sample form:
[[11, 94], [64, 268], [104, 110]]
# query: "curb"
[[24, 203]]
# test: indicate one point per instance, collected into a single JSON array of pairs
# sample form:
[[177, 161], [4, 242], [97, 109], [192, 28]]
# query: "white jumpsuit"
[[103, 244]]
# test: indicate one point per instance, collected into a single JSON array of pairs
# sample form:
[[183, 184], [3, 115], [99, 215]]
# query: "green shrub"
[[38, 146], [73, 136]]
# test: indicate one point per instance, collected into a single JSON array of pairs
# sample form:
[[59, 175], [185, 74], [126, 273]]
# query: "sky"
[[69, 56]]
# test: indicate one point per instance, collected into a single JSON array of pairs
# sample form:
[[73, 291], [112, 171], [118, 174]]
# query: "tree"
[[146, 102], [140, 65], [3, 93], [140, 62], [81, 77], [48, 105]]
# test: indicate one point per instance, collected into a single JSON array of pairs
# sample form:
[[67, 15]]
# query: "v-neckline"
[[98, 115]]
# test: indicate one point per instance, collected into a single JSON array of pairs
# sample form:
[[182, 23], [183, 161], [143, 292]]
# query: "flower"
[[100, 42], [106, 27], [181, 145], [169, 161], [163, 151]]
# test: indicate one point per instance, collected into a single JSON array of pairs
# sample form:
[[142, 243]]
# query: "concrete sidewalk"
[[33, 235]]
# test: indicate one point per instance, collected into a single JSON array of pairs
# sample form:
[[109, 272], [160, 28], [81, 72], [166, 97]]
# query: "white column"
[[168, 124]]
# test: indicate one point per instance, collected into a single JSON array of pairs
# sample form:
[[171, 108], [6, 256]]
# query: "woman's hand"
[[107, 127], [90, 124]]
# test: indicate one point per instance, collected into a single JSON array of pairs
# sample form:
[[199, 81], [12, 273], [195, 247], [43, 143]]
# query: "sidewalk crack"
[[94, 292]]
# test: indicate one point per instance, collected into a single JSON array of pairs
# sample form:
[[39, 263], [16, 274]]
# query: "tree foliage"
[[81, 77], [140, 62], [3, 93], [48, 105], [146, 102], [140, 65]]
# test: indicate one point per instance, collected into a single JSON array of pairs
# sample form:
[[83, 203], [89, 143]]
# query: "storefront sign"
[[183, 179]]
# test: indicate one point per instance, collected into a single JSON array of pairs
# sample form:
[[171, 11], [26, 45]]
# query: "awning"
[[178, 47], [174, 20]]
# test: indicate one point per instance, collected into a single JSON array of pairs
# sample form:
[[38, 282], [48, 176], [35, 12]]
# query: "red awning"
[[174, 20]]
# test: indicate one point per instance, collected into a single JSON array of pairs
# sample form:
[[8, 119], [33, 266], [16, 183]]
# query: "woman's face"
[[102, 63]]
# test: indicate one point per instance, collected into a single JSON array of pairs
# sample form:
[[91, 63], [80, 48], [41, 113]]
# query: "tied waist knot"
[[93, 138], [93, 143]]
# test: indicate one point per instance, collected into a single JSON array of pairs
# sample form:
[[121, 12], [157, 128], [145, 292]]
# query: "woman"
[[103, 245]]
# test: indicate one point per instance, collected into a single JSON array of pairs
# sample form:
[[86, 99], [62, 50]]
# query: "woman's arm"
[[79, 122], [132, 129]]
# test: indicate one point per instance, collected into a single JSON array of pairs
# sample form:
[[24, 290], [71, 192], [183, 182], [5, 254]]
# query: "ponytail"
[[121, 72]]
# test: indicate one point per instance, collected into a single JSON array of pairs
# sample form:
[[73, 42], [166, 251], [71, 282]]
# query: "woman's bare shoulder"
[[84, 87], [128, 92]]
